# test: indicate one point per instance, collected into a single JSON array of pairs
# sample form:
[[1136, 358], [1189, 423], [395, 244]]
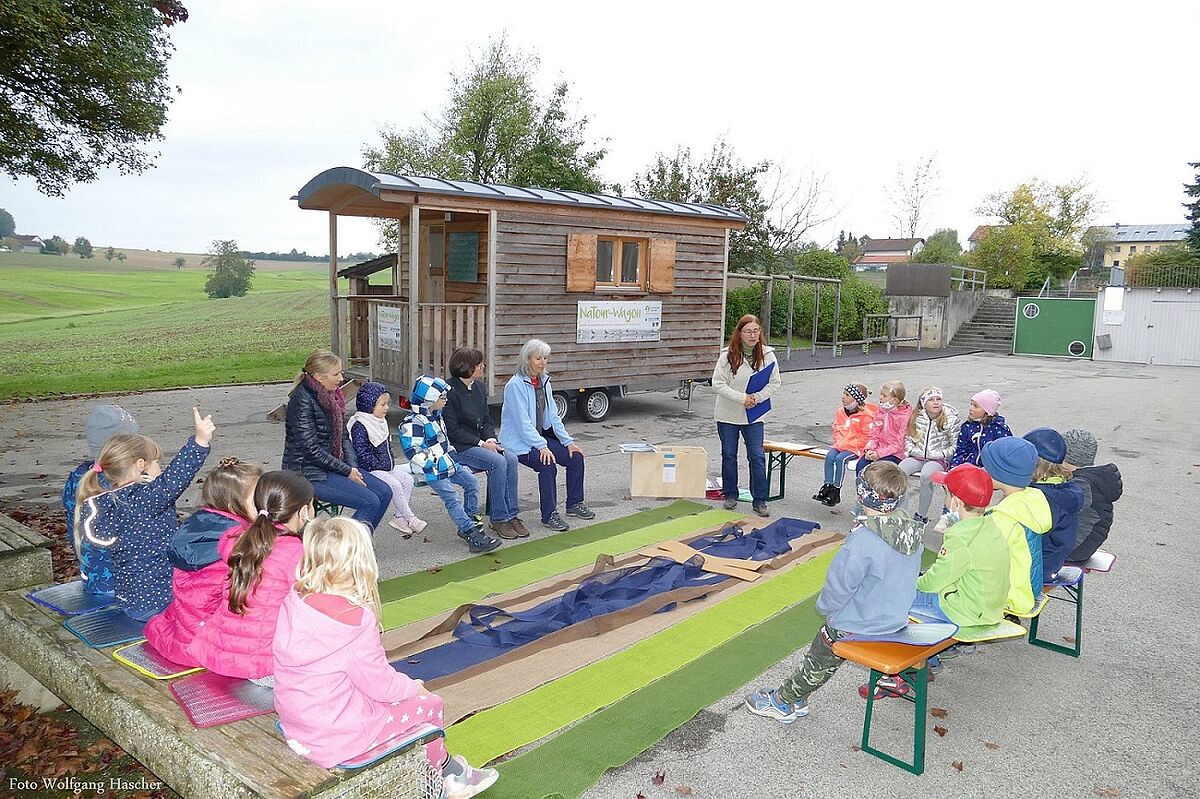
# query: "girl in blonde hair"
[[929, 443], [337, 696], [122, 533], [885, 440]]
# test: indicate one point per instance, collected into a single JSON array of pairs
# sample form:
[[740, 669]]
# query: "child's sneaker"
[[415, 524], [956, 650], [769, 705], [943, 523], [477, 540], [470, 781], [921, 520], [888, 686], [935, 667], [401, 524], [581, 511]]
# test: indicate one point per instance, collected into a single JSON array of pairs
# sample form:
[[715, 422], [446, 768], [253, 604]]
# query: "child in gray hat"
[[1101, 488], [104, 422]]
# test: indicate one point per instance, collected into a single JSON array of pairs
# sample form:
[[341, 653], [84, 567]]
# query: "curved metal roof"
[[377, 182]]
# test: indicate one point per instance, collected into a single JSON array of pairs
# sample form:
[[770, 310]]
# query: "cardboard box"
[[669, 472]]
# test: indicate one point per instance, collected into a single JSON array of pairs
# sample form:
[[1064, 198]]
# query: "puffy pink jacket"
[[240, 646], [888, 431], [195, 596], [333, 683]]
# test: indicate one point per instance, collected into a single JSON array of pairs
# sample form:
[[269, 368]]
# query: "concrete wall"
[[941, 317], [1159, 326]]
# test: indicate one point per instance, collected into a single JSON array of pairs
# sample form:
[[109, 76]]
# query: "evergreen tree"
[[1193, 215]]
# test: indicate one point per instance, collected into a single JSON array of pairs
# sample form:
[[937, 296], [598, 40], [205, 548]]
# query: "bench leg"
[[919, 680], [1074, 597], [777, 460]]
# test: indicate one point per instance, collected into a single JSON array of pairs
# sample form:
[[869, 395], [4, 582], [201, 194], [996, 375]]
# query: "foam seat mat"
[[69, 599], [991, 632], [210, 700], [142, 658], [106, 627], [923, 634], [1067, 576], [421, 734], [1100, 561]]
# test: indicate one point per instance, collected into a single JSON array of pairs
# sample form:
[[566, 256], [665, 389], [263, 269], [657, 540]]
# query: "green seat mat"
[[447, 597], [548, 708], [409, 584]]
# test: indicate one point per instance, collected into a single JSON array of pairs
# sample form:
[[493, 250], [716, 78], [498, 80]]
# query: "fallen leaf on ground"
[[434, 569], [659, 777], [494, 569], [1106, 791], [684, 790], [1069, 639], [991, 745], [956, 765], [941, 731], [425, 540], [639, 795], [856, 747], [938, 713]]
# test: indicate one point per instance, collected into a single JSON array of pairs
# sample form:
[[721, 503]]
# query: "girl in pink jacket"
[[198, 579], [236, 639], [885, 441], [338, 698]]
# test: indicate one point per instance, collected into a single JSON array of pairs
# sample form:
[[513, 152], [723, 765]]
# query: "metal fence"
[[964, 278], [1165, 276]]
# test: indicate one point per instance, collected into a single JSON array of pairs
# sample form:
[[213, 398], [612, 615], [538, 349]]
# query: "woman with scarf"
[[317, 444]]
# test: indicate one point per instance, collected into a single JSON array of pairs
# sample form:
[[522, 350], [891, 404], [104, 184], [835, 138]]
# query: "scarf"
[[334, 404], [377, 429]]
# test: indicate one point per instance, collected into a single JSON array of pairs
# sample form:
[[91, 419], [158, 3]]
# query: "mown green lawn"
[[70, 326]]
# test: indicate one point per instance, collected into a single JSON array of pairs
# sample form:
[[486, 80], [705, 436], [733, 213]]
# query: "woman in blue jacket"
[[530, 428]]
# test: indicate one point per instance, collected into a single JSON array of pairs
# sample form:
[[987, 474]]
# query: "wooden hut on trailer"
[[629, 293]]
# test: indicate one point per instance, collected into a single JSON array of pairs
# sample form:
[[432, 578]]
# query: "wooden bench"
[[234, 761], [334, 509], [911, 663], [779, 455], [24, 556], [1072, 594]]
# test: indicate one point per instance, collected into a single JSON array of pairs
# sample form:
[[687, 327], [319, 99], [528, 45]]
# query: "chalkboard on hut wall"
[[462, 258]]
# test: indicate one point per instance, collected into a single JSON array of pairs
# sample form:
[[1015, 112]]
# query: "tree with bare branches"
[[911, 193]]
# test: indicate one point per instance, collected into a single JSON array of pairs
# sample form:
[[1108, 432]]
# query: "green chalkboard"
[[462, 258]]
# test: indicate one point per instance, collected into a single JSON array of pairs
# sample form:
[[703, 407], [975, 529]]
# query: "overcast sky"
[[275, 92]]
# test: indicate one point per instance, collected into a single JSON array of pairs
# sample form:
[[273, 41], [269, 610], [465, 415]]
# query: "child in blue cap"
[[1064, 497], [1023, 516]]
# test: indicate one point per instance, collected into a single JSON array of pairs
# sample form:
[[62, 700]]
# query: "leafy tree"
[[941, 247], [109, 254], [56, 245], [7, 225], [231, 274], [1193, 215], [1006, 253], [496, 129], [851, 251], [180, 262], [121, 257], [83, 247], [83, 86]]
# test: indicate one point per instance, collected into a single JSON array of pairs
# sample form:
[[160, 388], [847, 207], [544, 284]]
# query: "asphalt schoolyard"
[[1119, 721]]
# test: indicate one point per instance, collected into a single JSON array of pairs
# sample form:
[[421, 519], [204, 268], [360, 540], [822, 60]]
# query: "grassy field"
[[70, 326]]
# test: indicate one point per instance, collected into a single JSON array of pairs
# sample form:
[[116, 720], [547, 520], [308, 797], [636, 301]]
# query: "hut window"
[[621, 263]]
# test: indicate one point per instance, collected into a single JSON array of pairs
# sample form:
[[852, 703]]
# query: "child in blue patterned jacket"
[[423, 438]]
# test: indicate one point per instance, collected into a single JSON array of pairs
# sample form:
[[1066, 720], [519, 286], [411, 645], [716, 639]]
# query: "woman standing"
[[530, 428], [317, 445], [737, 412], [469, 428]]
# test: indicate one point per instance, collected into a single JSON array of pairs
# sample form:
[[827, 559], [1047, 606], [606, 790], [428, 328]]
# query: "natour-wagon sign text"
[[618, 321]]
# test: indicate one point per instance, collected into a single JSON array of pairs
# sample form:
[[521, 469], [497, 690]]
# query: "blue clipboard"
[[758, 381]]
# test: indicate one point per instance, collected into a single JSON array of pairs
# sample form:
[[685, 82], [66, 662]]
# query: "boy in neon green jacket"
[[1023, 517], [968, 583]]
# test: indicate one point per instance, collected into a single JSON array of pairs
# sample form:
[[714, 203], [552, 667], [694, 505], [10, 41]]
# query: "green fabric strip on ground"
[[447, 597], [567, 765], [509, 554], [538, 713]]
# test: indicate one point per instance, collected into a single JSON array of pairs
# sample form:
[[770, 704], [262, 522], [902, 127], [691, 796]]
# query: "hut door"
[[433, 257]]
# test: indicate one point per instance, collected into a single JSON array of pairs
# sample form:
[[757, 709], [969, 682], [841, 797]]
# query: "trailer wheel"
[[593, 405], [561, 405], [684, 391]]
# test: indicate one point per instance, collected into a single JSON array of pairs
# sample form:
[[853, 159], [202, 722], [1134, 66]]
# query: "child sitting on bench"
[[1101, 489], [337, 696], [1064, 497], [851, 426], [1023, 516], [104, 422], [869, 587]]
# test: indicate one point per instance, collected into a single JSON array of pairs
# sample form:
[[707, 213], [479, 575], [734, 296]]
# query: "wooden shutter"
[[581, 262], [662, 265]]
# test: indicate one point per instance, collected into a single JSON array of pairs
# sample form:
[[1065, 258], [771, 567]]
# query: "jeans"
[[864, 463], [401, 481], [927, 469], [818, 666], [835, 465], [928, 606], [548, 476], [462, 510], [502, 478], [370, 502], [752, 434]]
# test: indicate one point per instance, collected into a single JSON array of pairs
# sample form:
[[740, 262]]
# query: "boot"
[[822, 492], [834, 496]]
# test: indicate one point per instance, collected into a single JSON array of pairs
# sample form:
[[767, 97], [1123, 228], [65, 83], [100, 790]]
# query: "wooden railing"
[[444, 327]]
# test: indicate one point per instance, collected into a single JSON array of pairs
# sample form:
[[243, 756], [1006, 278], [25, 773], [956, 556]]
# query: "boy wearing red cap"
[[968, 583]]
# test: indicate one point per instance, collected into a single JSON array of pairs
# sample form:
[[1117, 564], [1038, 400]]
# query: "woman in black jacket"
[[317, 444]]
